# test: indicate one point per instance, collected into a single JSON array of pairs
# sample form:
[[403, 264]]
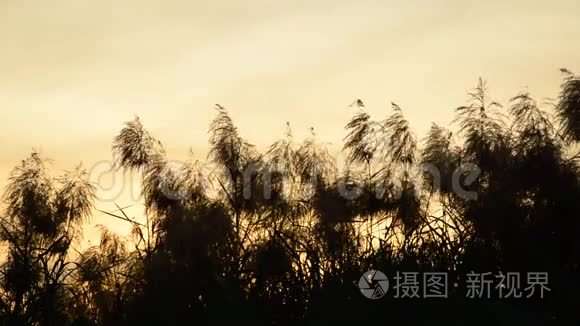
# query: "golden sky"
[[71, 72]]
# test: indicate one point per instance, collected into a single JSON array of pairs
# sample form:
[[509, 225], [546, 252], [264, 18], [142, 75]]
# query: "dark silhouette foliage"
[[282, 237]]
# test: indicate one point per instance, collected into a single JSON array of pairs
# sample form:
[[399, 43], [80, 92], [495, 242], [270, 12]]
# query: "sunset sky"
[[71, 72]]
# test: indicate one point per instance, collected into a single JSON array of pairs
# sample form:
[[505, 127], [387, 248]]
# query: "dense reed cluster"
[[282, 238]]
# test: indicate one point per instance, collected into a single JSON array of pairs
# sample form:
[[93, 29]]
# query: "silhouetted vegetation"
[[282, 238]]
